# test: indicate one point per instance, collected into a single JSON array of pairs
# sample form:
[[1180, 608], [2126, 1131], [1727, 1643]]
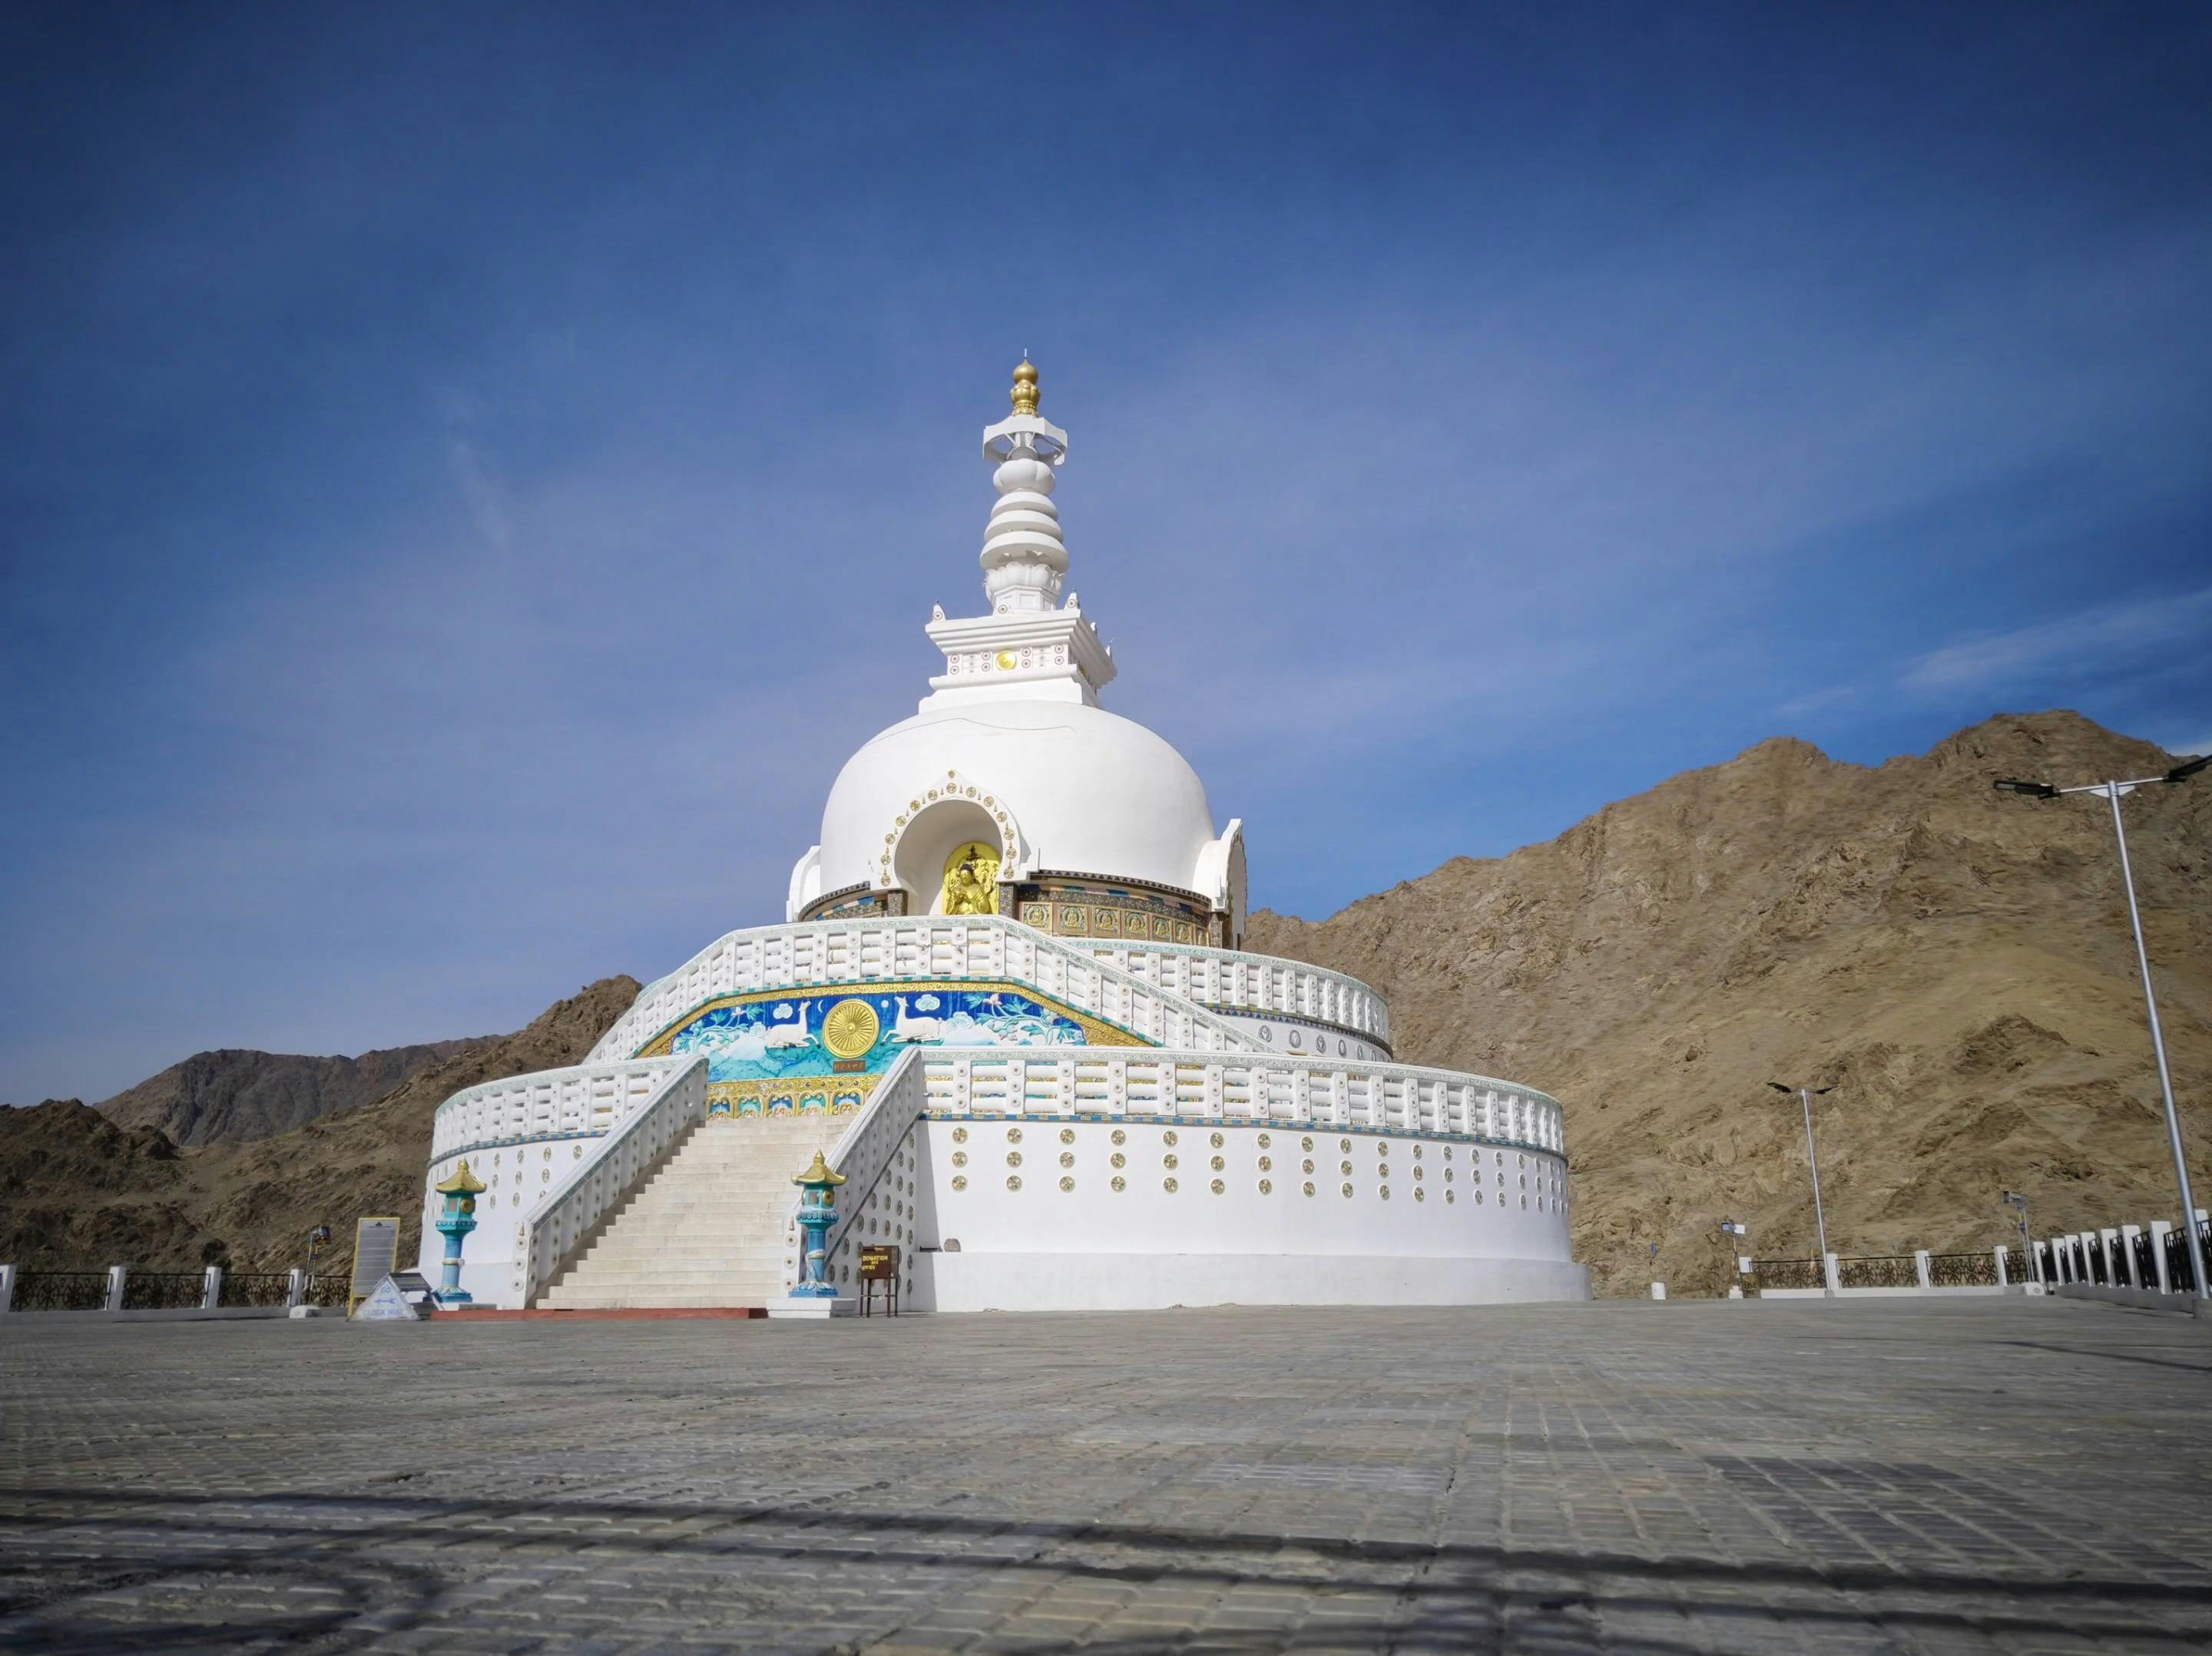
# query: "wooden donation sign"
[[879, 1264], [375, 1250]]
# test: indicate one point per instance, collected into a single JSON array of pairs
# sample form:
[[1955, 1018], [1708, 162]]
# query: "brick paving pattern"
[[2015, 1476]]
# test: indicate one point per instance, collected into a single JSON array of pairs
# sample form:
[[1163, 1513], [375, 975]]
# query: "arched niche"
[[951, 814]]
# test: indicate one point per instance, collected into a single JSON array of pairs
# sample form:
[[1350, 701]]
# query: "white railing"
[[916, 949], [864, 1153], [1122, 1081], [1230, 980], [552, 1229], [586, 1101]]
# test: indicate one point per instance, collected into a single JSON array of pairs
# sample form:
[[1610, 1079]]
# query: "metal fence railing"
[[163, 1290], [1962, 1270], [243, 1288], [1788, 1273], [1895, 1270], [61, 1290]]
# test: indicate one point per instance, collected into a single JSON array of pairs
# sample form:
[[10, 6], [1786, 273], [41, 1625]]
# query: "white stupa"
[[1011, 1007]]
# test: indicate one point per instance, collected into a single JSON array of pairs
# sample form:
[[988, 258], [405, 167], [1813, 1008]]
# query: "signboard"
[[879, 1264], [388, 1303], [376, 1248]]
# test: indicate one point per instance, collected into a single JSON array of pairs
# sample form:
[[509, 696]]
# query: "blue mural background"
[[772, 1040]]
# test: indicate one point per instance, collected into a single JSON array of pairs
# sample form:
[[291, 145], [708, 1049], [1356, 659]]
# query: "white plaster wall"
[[1092, 1247]]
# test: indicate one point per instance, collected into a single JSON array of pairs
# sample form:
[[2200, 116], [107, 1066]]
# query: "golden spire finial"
[[1025, 393]]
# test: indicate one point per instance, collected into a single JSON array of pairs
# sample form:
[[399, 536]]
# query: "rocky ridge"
[[78, 1189], [1955, 962]]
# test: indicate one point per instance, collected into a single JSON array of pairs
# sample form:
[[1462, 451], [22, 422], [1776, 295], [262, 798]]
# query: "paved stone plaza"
[[1986, 1476]]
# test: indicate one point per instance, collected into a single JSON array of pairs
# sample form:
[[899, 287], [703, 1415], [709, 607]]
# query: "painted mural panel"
[[809, 1050]]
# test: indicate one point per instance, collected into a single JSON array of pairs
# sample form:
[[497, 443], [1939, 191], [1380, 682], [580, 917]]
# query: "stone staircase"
[[709, 1228]]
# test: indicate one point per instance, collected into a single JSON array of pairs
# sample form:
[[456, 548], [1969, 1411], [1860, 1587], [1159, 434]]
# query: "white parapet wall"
[[1169, 995]]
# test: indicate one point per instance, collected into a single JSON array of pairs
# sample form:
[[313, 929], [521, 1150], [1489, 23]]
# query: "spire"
[[1024, 558], [1027, 647]]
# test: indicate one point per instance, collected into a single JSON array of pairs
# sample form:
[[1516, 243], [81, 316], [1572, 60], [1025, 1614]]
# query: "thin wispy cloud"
[[2113, 632]]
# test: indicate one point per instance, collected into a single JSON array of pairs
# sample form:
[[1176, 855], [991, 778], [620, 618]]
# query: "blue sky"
[[471, 475]]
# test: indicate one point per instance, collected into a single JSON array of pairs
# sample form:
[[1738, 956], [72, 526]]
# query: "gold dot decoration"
[[1169, 1185], [1219, 1164], [1217, 1140], [1067, 1184], [1310, 1189], [959, 1158], [1267, 1163], [1449, 1175], [1169, 1160], [1013, 1135], [1386, 1192], [1306, 1166], [1305, 1144], [1119, 1160], [1120, 1137], [1119, 1185], [1068, 1135], [1267, 1187], [1013, 1157], [959, 1181], [960, 1136], [1343, 1167], [1416, 1153], [1417, 1174], [1348, 1190], [1218, 1187], [1267, 1142], [1451, 1196], [1014, 1181], [1419, 1194], [1068, 1158], [1169, 1137], [1344, 1147]]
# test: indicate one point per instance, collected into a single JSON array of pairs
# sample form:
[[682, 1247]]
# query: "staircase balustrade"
[[562, 1221]]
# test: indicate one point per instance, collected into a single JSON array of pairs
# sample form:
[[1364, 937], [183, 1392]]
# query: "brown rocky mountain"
[[235, 1094], [78, 1190], [1955, 962]]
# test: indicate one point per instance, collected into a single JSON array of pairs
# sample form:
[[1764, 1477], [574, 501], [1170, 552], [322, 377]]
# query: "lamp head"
[[2188, 768], [2037, 790]]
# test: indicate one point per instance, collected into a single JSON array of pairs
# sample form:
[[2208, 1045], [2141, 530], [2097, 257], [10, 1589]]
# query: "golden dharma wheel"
[[850, 1029]]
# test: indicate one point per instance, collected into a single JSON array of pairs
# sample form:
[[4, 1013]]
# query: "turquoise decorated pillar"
[[457, 1217], [817, 1212]]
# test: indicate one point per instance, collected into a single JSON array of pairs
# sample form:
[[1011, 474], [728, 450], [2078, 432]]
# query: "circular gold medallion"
[[850, 1029], [1005, 661]]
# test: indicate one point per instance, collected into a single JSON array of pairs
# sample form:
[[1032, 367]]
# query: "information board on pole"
[[376, 1248]]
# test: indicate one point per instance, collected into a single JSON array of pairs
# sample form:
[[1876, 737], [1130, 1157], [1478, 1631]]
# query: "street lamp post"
[[2014, 1199], [2113, 793], [1805, 1096]]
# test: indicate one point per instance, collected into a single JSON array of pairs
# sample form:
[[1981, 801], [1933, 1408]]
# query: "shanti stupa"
[[1010, 1004]]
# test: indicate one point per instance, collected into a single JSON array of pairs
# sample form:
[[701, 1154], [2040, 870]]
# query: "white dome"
[[1070, 787]]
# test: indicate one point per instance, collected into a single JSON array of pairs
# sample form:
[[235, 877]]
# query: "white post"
[[1658, 1290], [296, 1288], [211, 1287], [1920, 1266], [2004, 1276], [7, 1289], [2159, 1228], [2123, 1268], [1834, 1277], [116, 1274]]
